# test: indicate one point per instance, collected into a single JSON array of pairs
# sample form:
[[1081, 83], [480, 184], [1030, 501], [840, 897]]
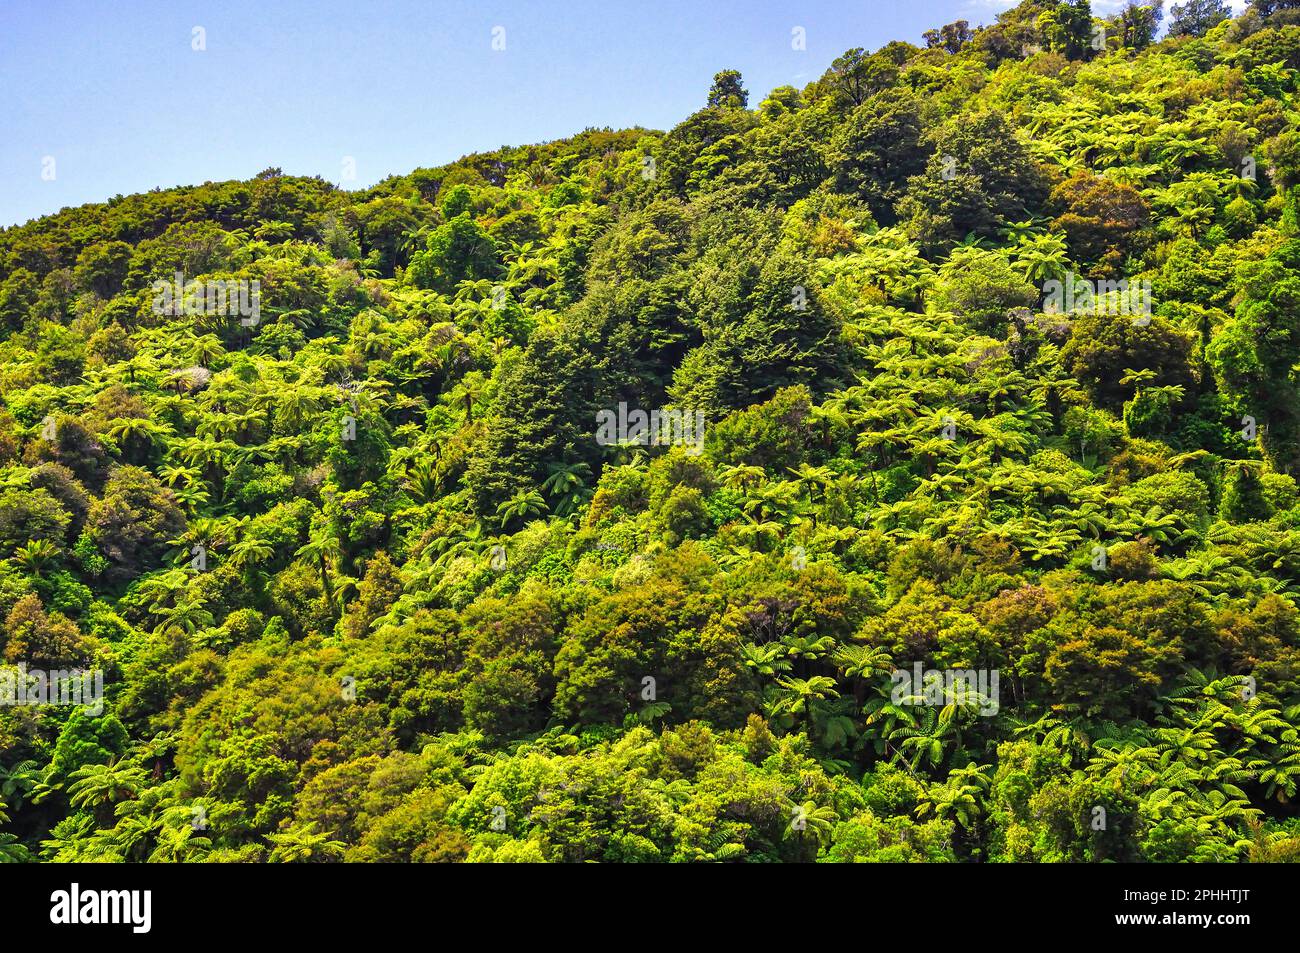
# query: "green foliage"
[[978, 177], [365, 586], [459, 250]]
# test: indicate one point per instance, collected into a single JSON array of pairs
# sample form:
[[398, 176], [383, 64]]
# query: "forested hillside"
[[992, 347]]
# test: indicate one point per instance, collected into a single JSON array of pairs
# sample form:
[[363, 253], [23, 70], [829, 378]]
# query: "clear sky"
[[115, 93]]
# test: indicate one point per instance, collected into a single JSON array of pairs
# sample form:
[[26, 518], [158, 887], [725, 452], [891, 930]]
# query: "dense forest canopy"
[[943, 503]]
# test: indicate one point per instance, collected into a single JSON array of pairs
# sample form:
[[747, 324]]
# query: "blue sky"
[[114, 92]]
